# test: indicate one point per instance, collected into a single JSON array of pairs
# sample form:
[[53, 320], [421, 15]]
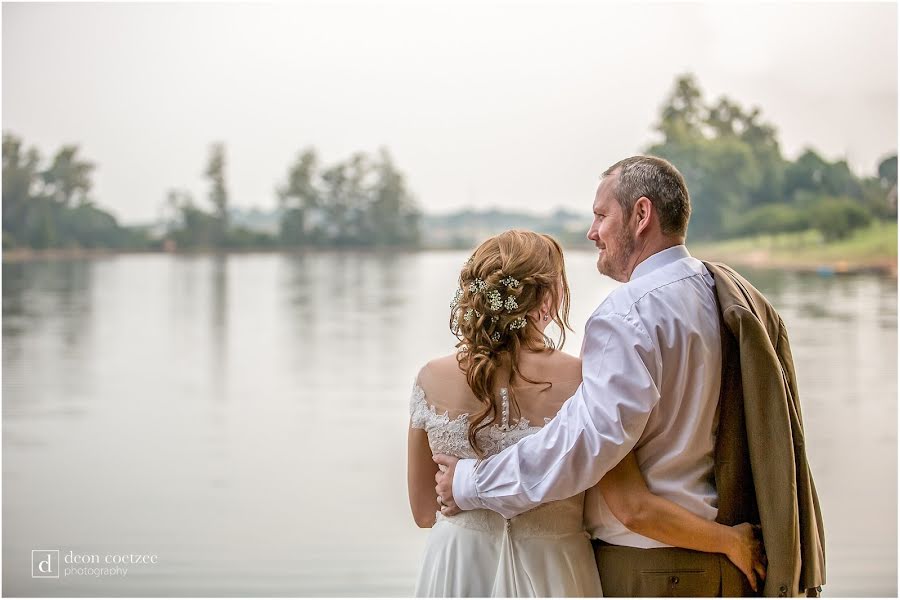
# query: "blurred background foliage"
[[741, 185]]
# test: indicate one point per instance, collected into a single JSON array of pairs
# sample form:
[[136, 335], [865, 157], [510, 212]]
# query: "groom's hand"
[[444, 488]]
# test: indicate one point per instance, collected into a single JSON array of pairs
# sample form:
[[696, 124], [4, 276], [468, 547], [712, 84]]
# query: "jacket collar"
[[659, 260]]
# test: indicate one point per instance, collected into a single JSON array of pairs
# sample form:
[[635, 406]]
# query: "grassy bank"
[[871, 249]]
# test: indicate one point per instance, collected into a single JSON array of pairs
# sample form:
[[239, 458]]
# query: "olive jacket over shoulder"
[[762, 475]]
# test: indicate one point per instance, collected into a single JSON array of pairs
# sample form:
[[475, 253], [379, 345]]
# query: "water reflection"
[[47, 308], [218, 338], [844, 298]]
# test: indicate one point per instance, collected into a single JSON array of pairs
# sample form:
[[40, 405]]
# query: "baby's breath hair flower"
[[469, 314], [511, 304], [456, 298], [494, 300], [518, 323], [494, 319], [510, 282], [477, 286], [495, 337]]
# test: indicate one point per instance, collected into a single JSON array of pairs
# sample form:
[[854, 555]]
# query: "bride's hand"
[[748, 553], [444, 479]]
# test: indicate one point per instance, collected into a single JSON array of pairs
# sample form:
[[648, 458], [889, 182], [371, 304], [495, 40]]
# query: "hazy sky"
[[487, 103]]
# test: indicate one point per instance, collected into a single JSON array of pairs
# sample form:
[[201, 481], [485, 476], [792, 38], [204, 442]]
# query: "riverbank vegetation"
[[362, 201], [872, 248], [742, 189]]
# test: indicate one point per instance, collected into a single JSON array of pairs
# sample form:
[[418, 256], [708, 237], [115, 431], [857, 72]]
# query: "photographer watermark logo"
[[55, 564], [45, 563]]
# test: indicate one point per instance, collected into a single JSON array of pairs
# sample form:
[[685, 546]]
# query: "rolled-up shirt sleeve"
[[592, 432]]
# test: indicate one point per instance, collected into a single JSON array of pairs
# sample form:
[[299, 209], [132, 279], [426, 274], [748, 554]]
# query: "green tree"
[[346, 200], [193, 228], [20, 178], [762, 140], [298, 199], [335, 205], [218, 194], [358, 191], [733, 165], [836, 218], [394, 216], [87, 226], [362, 201], [812, 173], [68, 179], [887, 172], [705, 143], [50, 207], [885, 205], [682, 113]]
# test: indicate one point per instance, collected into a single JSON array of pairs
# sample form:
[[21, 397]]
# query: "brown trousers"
[[656, 572]]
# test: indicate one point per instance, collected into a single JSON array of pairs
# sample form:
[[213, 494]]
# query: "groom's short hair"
[[658, 180]]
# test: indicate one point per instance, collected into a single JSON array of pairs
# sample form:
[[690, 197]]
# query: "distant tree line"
[[360, 202], [740, 184]]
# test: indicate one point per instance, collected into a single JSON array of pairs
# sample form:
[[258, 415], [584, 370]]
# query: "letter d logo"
[[45, 564]]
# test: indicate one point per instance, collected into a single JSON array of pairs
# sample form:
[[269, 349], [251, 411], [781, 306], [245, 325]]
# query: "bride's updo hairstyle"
[[501, 290]]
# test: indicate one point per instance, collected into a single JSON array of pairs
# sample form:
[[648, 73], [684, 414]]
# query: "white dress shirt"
[[651, 373]]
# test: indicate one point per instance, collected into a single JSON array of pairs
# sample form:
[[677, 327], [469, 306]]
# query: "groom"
[[652, 372]]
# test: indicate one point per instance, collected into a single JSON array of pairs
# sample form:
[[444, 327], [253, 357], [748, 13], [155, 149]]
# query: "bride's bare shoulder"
[[555, 366], [565, 366], [443, 367]]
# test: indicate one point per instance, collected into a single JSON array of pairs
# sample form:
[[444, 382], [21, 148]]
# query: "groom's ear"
[[643, 210]]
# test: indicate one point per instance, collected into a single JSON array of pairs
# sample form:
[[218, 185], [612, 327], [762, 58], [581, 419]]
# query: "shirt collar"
[[659, 260]]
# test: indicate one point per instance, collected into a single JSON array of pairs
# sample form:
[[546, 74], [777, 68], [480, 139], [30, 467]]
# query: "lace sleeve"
[[418, 409]]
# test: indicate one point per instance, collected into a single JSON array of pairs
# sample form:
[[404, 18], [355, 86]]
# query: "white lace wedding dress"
[[544, 552]]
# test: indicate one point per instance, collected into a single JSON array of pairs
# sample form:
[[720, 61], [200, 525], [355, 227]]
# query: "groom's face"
[[610, 234]]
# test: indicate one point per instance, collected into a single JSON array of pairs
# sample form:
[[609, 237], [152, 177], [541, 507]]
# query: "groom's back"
[[674, 306]]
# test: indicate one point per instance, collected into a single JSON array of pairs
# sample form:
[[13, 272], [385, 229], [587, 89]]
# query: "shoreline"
[[762, 260], [757, 259]]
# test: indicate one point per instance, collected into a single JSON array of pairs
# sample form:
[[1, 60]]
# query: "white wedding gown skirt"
[[542, 553]]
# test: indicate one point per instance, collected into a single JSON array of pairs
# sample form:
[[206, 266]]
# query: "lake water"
[[244, 418]]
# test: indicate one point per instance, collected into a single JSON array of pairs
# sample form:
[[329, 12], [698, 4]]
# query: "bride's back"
[[443, 401]]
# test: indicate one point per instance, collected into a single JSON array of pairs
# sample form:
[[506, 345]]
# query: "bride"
[[506, 381]]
